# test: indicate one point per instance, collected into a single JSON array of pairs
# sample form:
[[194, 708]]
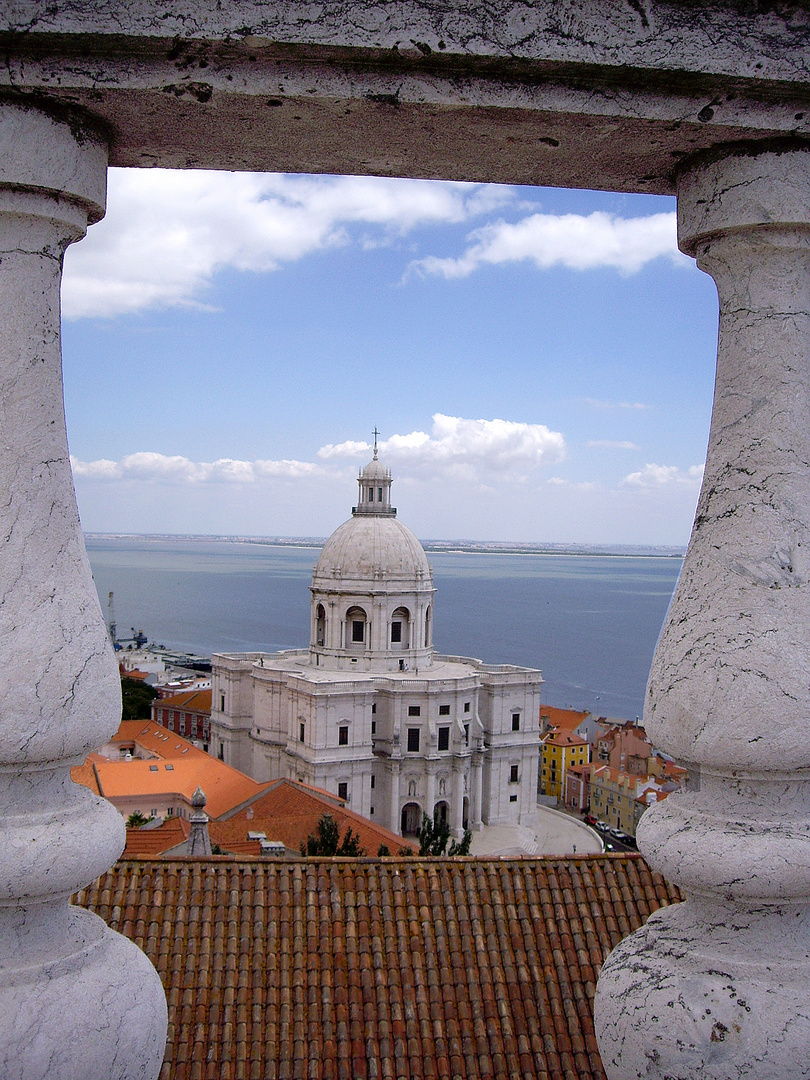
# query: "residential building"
[[147, 770], [187, 714], [560, 750], [276, 821], [577, 790], [369, 711]]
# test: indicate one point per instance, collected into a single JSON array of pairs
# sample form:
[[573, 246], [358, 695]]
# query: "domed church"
[[369, 712]]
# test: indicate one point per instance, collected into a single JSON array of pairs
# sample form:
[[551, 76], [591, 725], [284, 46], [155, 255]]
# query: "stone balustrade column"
[[77, 1001], [719, 987]]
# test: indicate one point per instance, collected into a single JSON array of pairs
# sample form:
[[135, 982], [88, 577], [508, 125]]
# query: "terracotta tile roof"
[[558, 737], [397, 969], [225, 787], [191, 700], [156, 740], [567, 719], [85, 774], [289, 812], [154, 842]]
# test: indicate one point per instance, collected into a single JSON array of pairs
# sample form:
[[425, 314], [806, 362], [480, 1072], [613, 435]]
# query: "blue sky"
[[539, 362]]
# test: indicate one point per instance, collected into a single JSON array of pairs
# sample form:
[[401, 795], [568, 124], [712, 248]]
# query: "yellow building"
[[559, 751], [614, 796]]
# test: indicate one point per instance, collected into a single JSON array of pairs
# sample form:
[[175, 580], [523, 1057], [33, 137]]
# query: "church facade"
[[369, 711]]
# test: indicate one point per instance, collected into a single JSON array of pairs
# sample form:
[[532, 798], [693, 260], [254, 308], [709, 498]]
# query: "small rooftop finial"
[[375, 433]]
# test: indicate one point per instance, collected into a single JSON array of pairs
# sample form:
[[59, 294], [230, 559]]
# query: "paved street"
[[551, 833]]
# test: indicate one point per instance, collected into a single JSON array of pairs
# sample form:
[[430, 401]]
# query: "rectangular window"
[[444, 738], [343, 791], [379, 494], [513, 798], [466, 706], [466, 734], [414, 710], [373, 778], [515, 721], [301, 732], [444, 710], [371, 494], [357, 630], [343, 735], [413, 740], [513, 774], [222, 703], [374, 708], [396, 632]]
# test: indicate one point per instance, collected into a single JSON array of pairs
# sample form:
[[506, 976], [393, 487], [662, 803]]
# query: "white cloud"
[[167, 232], [574, 241], [466, 448], [658, 476], [160, 468], [611, 444]]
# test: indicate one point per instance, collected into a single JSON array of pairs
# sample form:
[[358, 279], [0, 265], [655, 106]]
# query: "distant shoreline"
[[451, 547]]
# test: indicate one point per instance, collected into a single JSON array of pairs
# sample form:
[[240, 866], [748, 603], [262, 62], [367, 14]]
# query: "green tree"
[[326, 840], [382, 851], [135, 820], [434, 836], [136, 699]]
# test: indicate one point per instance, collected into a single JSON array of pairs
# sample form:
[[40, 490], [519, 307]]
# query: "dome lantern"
[[372, 588], [374, 483]]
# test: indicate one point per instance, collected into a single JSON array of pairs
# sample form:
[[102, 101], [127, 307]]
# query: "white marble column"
[[719, 987], [77, 1001], [477, 777], [457, 806], [395, 822]]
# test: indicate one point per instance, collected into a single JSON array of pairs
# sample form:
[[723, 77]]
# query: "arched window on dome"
[[320, 625], [356, 620], [427, 628], [401, 628]]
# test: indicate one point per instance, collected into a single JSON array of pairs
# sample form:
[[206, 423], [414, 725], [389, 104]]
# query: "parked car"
[[590, 819], [603, 826]]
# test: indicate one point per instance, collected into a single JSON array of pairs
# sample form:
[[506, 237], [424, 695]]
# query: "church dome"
[[372, 588], [372, 548]]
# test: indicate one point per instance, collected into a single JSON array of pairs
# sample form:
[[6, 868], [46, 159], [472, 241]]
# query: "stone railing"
[[77, 1001]]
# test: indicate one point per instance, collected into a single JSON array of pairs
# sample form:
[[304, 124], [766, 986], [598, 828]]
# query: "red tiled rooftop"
[[393, 968], [289, 812], [192, 700], [567, 719]]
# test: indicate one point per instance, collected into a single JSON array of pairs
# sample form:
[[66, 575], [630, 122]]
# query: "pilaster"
[[78, 1002], [719, 987]]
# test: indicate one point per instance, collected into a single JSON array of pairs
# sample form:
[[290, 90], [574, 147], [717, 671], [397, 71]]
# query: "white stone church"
[[369, 711]]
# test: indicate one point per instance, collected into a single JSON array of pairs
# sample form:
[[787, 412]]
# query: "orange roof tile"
[[156, 740], [225, 787], [192, 700], [155, 841], [289, 812], [568, 719], [556, 737], [396, 968], [85, 774]]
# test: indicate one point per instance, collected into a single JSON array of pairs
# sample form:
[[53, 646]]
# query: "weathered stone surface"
[[721, 988], [77, 1001], [608, 95]]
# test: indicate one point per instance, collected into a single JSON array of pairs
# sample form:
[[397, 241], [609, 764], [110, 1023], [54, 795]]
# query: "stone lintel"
[[607, 94]]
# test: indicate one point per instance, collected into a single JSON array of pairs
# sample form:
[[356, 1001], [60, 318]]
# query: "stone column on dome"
[[78, 1001], [719, 987]]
